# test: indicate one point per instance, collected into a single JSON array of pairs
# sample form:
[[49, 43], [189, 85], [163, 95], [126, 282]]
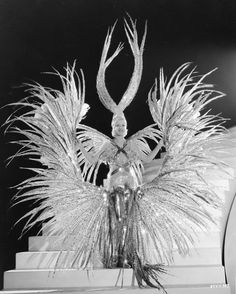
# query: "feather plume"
[[177, 200], [51, 119]]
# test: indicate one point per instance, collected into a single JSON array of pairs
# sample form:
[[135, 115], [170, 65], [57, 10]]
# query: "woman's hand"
[[89, 157]]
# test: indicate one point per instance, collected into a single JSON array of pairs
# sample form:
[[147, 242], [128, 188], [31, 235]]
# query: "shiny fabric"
[[122, 249]]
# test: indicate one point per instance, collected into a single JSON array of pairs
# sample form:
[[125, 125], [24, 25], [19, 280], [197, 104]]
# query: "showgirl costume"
[[128, 222], [124, 169]]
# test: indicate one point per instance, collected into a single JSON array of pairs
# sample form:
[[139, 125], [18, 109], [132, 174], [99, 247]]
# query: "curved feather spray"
[[49, 137], [179, 191]]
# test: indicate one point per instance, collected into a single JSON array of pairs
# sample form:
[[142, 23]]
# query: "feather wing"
[[51, 118], [66, 203], [177, 199], [94, 142], [139, 143], [140, 139], [180, 102]]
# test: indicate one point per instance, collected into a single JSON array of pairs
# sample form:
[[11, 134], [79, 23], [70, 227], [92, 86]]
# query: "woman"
[[126, 217], [121, 155], [123, 184]]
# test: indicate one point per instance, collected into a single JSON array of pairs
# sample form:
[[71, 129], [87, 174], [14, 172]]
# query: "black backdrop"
[[36, 35]]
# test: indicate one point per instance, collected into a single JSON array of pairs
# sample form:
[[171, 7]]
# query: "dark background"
[[36, 35]]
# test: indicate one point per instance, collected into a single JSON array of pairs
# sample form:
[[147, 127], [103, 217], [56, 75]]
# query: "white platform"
[[211, 289], [47, 243], [68, 278], [48, 259]]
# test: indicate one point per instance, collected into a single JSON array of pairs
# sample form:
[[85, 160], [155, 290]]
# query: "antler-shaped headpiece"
[[132, 36]]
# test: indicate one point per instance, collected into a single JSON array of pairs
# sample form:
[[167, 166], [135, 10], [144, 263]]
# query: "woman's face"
[[119, 128]]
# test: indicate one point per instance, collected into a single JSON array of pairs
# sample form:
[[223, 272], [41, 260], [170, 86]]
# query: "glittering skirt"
[[122, 247]]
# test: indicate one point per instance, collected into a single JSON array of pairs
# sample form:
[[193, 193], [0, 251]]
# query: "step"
[[31, 279], [207, 289], [199, 256], [228, 173], [217, 180], [210, 227], [229, 160], [221, 192], [215, 213], [49, 259], [222, 184], [225, 151], [46, 243], [229, 142]]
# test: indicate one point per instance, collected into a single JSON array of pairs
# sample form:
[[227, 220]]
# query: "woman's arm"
[[91, 158], [153, 153]]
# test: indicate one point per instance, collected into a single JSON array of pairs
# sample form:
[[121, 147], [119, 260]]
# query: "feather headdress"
[[137, 50]]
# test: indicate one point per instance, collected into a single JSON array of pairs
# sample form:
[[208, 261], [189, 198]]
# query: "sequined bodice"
[[119, 156], [122, 162]]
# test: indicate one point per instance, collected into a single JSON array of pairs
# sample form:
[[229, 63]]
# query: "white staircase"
[[201, 272]]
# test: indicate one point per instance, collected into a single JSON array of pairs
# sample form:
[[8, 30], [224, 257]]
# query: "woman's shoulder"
[[131, 144], [108, 144], [107, 151]]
